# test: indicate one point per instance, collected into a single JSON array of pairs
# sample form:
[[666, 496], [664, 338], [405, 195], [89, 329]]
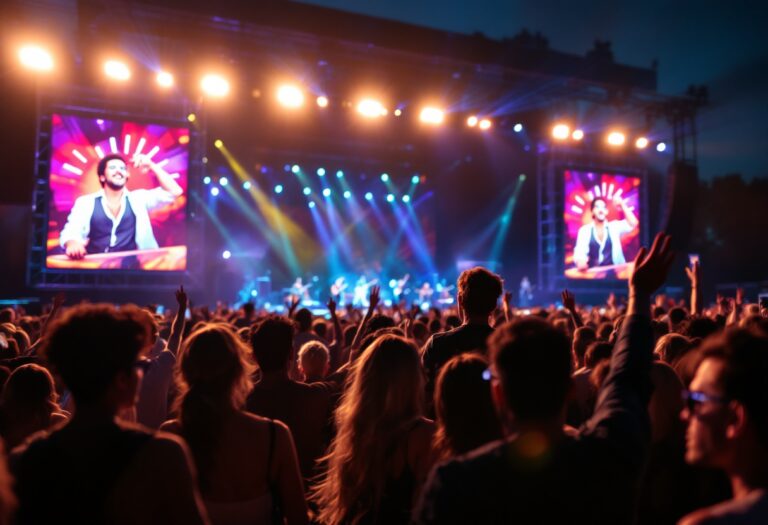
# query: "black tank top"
[[594, 250], [101, 230]]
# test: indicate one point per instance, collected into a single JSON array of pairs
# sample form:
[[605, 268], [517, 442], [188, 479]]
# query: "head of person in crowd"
[[671, 347], [320, 327], [213, 376], [596, 352], [604, 331], [701, 327], [478, 294], [314, 361], [466, 415], [420, 332], [531, 361], [303, 320], [727, 405], [7, 315], [676, 316], [249, 310], [272, 343], [582, 338], [76, 348], [665, 404], [383, 398], [452, 321]]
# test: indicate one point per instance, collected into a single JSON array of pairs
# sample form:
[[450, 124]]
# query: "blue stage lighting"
[[307, 190], [226, 254], [390, 197], [415, 179], [384, 177], [347, 194], [223, 181], [661, 147], [406, 198], [287, 167], [518, 127], [215, 191], [279, 188], [247, 185], [206, 180], [295, 168], [327, 192], [321, 172], [339, 174], [254, 293], [369, 196], [312, 204], [392, 283]]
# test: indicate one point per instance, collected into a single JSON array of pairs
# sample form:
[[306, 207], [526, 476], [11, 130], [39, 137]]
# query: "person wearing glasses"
[[98, 468], [727, 415]]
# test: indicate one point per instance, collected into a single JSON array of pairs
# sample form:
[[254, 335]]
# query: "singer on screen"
[[116, 219], [599, 242]]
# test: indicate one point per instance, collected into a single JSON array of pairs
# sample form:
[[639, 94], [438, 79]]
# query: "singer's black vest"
[[101, 230]]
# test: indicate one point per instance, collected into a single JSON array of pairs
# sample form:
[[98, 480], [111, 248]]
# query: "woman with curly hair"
[[382, 453]]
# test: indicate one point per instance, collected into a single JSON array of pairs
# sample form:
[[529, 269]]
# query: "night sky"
[[722, 44]]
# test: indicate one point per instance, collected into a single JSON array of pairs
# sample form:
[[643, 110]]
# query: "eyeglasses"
[[143, 364], [692, 399]]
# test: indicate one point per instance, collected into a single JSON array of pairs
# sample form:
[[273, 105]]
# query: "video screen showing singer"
[[116, 219]]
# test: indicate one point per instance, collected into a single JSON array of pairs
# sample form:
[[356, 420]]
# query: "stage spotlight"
[[398, 112], [415, 179], [347, 194], [206, 180], [36, 58], [339, 174], [616, 138], [226, 254], [247, 185], [215, 191], [218, 143], [517, 128], [431, 115], [321, 172], [560, 131], [311, 204], [484, 124], [369, 196], [295, 168], [390, 197], [661, 147], [117, 70], [322, 101], [327, 192], [522, 177], [406, 198], [191, 117], [164, 79], [370, 108], [223, 181], [215, 85], [384, 177], [472, 121], [279, 189], [641, 143], [307, 190], [290, 96], [578, 134], [254, 293]]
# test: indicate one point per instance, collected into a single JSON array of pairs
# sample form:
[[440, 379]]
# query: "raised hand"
[[373, 298], [508, 299], [739, 296], [331, 304], [569, 300], [694, 274], [651, 267], [58, 300], [181, 299]]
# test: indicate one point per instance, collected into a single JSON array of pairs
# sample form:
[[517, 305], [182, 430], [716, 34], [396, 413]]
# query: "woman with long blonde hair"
[[247, 465], [382, 453]]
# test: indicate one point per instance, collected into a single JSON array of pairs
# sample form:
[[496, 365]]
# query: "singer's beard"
[[113, 186]]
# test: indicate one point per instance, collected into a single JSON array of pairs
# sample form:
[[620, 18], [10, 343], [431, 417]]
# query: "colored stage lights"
[[290, 96], [215, 85], [384, 177], [616, 138], [223, 181], [390, 197], [561, 131], [295, 168], [641, 143], [339, 174], [347, 194], [432, 116], [577, 135], [472, 121], [661, 147], [279, 189], [415, 179], [117, 70], [371, 108], [307, 190], [369, 196], [214, 191], [517, 128], [406, 199], [321, 172], [226, 254], [164, 79], [322, 101], [484, 124], [36, 58]]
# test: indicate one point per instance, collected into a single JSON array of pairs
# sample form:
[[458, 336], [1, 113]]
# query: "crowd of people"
[[646, 411]]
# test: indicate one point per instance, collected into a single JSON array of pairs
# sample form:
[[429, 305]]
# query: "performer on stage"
[[115, 219], [599, 242], [301, 290], [425, 293], [338, 287]]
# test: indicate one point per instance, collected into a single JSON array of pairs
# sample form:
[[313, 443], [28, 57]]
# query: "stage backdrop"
[[620, 196], [78, 143]]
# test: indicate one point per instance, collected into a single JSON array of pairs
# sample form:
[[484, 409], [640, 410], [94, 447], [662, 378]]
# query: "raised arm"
[[569, 303], [177, 328], [621, 413], [629, 214], [337, 346], [373, 302], [694, 276], [144, 163]]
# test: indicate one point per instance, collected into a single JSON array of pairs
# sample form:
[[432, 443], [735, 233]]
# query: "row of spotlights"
[[562, 132]]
